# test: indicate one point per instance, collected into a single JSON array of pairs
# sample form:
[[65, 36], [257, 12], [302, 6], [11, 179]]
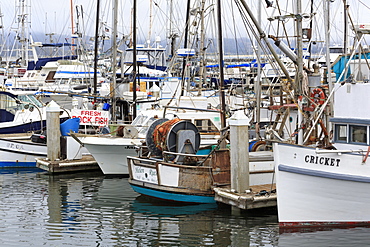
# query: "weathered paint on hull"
[[175, 197]]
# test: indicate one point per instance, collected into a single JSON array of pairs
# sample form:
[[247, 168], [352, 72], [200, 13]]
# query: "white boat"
[[21, 112], [18, 150], [326, 187], [22, 149], [111, 151]]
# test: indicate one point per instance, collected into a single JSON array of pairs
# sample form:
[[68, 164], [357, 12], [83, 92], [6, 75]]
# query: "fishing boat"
[[173, 166], [173, 171], [318, 184], [111, 151]]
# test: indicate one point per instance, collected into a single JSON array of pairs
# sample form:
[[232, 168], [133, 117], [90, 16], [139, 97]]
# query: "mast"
[[96, 49], [257, 84], [202, 48], [150, 21], [23, 40], [114, 58], [134, 62], [327, 42], [345, 38], [221, 66], [2, 39], [172, 35], [298, 84], [299, 74], [72, 25], [185, 47]]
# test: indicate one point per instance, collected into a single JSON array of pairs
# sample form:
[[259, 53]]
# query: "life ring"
[[317, 97]]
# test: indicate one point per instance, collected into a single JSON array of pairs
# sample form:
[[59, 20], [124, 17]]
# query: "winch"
[[175, 136]]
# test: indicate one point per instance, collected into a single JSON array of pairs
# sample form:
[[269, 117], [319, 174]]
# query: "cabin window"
[[205, 126], [145, 128], [50, 76], [358, 134], [341, 133], [26, 99], [8, 103]]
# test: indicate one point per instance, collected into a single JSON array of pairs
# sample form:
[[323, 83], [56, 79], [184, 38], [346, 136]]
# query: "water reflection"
[[106, 211], [306, 237], [88, 209]]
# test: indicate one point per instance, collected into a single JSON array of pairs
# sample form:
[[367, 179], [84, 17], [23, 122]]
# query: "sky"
[[50, 16]]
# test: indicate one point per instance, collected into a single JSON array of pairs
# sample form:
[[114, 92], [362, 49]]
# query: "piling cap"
[[52, 106], [239, 119]]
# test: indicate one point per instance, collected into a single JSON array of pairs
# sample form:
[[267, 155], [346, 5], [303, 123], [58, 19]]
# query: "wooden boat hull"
[[171, 182], [167, 194]]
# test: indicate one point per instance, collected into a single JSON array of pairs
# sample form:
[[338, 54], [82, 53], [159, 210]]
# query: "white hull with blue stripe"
[[19, 151], [326, 187], [329, 187]]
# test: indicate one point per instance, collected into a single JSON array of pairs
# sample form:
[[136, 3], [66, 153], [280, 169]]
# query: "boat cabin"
[[351, 121]]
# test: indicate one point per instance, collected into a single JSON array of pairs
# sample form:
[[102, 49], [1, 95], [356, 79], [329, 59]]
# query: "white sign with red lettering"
[[91, 117]]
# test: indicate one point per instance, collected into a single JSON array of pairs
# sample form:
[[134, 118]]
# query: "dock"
[[259, 196], [86, 163]]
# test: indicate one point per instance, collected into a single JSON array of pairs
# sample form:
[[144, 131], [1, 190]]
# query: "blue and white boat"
[[20, 112], [173, 171], [18, 150]]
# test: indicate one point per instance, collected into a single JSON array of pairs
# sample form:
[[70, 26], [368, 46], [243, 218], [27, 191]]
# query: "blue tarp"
[[42, 61], [237, 65], [339, 66]]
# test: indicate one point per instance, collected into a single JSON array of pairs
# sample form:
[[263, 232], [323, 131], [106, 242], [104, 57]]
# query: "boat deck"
[[87, 162], [259, 196]]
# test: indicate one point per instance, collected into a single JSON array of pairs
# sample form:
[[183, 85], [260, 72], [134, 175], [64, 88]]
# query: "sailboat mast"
[[2, 39], [150, 21], [72, 24], [23, 32]]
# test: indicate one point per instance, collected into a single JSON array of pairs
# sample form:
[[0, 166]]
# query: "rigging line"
[[236, 40], [359, 40], [166, 16], [283, 24], [263, 47], [364, 4]]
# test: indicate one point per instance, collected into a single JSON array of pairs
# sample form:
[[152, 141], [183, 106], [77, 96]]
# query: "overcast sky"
[[49, 16]]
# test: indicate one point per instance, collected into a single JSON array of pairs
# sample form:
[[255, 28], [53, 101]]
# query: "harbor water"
[[89, 209]]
